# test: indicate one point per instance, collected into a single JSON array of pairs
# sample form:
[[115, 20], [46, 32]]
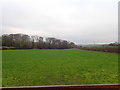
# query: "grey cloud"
[[80, 21]]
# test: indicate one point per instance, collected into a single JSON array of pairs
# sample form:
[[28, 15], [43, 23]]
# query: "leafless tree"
[[26, 41]]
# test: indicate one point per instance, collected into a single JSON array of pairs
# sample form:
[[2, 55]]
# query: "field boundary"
[[64, 87]]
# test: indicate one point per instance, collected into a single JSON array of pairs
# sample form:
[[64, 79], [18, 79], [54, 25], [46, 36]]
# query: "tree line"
[[23, 41]]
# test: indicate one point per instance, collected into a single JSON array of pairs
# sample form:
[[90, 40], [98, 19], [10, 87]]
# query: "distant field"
[[58, 67]]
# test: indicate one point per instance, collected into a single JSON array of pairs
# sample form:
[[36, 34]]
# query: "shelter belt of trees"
[[28, 42]]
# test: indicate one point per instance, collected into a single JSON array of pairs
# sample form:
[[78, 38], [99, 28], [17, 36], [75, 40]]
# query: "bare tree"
[[0, 41], [26, 41], [40, 42]]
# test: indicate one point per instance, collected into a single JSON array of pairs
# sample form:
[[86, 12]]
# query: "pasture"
[[58, 67]]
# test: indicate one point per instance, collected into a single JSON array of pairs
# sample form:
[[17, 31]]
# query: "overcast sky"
[[80, 21]]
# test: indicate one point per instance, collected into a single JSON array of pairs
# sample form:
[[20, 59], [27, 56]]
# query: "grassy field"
[[58, 67], [0, 68]]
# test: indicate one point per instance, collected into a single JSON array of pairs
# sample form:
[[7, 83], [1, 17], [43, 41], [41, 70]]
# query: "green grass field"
[[0, 68], [58, 67]]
